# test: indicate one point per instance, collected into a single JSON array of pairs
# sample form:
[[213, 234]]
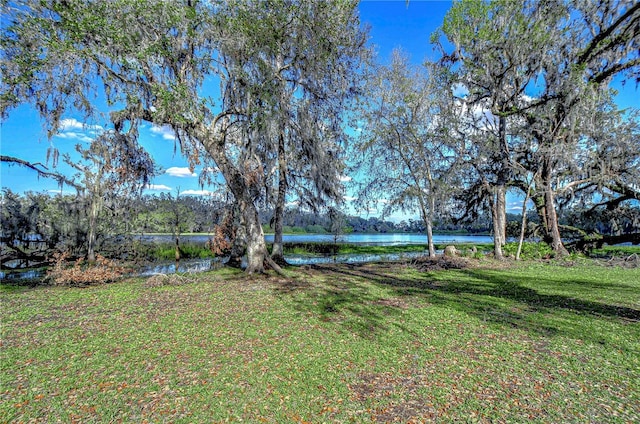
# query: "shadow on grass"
[[490, 295], [336, 295]]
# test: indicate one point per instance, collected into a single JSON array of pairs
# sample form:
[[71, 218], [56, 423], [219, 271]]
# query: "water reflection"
[[203, 265], [186, 266], [391, 239]]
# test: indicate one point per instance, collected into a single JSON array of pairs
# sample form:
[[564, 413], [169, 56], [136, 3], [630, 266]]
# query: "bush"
[[315, 229], [167, 251], [529, 250], [80, 272]]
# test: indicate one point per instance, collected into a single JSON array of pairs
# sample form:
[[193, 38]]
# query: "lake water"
[[372, 239], [201, 265]]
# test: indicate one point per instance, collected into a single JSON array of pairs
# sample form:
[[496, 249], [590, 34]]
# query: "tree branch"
[[41, 170]]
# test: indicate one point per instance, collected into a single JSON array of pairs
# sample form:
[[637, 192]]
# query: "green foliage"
[[315, 229], [293, 230], [187, 251], [530, 250], [612, 251]]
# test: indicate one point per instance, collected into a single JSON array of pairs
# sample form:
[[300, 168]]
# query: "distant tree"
[[37, 225], [338, 223], [19, 222], [111, 168]]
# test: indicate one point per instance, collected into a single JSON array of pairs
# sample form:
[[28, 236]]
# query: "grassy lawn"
[[334, 343]]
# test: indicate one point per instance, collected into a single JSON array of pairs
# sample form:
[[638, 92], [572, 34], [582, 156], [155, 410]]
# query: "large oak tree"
[[161, 62], [540, 68]]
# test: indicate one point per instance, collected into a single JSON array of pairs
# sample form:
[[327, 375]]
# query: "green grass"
[[335, 343], [315, 248], [166, 251], [187, 251], [608, 251]]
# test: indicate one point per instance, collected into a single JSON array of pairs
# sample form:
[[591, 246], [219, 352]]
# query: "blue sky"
[[392, 24]]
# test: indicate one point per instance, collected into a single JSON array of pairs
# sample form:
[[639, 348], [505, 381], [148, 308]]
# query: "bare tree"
[[404, 144], [112, 166]]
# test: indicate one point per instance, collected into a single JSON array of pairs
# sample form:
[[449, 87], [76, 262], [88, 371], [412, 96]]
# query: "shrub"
[[529, 250], [80, 272]]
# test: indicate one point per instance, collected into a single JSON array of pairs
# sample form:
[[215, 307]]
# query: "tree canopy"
[[159, 62]]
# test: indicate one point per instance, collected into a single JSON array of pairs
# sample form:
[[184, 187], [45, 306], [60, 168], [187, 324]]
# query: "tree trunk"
[[427, 217], [93, 222], [257, 254], [523, 223], [256, 246], [498, 212], [432, 249], [499, 204], [552, 223], [237, 251], [178, 255], [91, 236], [538, 202], [239, 240], [501, 199], [552, 237], [277, 254]]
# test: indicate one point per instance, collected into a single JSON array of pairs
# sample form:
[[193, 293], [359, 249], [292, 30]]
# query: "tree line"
[[265, 93], [36, 226]]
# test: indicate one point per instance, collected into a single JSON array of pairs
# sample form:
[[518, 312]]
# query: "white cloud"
[[72, 129], [68, 124], [197, 193], [349, 198], [165, 132], [72, 135], [185, 172], [344, 178], [158, 187], [71, 124]]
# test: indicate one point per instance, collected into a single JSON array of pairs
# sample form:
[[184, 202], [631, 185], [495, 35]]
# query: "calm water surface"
[[201, 265], [374, 239]]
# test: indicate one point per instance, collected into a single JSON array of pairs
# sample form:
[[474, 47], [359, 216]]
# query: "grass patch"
[[187, 251], [315, 248], [529, 250], [335, 343], [615, 251], [321, 248]]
